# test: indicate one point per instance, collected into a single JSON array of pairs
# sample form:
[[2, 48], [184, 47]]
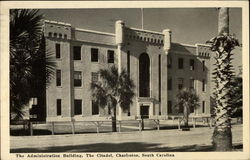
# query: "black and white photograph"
[[131, 81]]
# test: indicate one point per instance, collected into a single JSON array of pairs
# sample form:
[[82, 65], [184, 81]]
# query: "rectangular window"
[[58, 78], [191, 84], [191, 64], [111, 57], [94, 77], [58, 107], [203, 66], [180, 83], [78, 106], [169, 62], [170, 107], [203, 106], [77, 52], [95, 108], [77, 78], [94, 55], [203, 85], [169, 83], [180, 63], [58, 50]]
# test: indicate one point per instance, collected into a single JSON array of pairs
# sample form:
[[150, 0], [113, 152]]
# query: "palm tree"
[[112, 90], [222, 45], [30, 68], [188, 99]]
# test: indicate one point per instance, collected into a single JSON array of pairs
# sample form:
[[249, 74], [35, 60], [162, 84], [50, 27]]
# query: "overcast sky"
[[188, 25]]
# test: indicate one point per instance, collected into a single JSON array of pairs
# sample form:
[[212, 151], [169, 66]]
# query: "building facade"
[[158, 67]]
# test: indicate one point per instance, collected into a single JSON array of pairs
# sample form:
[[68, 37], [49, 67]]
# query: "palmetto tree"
[[112, 90], [222, 45], [30, 69], [187, 98]]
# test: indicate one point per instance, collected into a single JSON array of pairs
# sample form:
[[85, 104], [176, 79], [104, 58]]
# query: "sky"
[[188, 25]]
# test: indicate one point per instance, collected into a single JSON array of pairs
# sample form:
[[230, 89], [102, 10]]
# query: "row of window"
[[59, 35], [95, 107], [180, 84], [77, 107], [192, 110], [94, 53], [181, 64], [77, 78]]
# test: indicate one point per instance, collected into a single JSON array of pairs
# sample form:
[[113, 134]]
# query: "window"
[[94, 55], [169, 83], [78, 106], [180, 63], [94, 77], [169, 62], [77, 78], [58, 50], [191, 83], [191, 64], [180, 83], [77, 52], [110, 56], [203, 85], [203, 106], [50, 34], [58, 78], [170, 107], [95, 108], [203, 66], [58, 107]]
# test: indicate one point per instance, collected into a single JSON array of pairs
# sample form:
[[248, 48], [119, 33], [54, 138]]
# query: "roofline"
[[92, 31], [187, 45], [200, 44], [143, 30], [55, 22]]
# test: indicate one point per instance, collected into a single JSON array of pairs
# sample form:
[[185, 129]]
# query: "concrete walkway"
[[163, 140]]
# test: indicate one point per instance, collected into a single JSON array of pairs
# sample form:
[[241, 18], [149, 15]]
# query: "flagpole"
[[142, 18]]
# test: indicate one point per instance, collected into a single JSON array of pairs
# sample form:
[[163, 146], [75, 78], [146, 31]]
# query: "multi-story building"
[[158, 67]]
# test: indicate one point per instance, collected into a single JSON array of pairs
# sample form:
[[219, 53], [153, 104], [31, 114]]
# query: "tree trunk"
[[222, 136], [222, 139], [185, 112], [114, 120]]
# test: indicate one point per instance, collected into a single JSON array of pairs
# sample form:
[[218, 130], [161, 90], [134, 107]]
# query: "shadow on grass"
[[22, 132], [122, 147]]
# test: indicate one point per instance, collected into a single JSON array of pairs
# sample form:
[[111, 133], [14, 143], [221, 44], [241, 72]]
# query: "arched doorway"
[[144, 75]]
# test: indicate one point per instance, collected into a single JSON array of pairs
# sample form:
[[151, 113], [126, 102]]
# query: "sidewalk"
[[163, 140]]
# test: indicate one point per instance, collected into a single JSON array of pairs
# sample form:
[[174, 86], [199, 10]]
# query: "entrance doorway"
[[144, 111], [144, 75]]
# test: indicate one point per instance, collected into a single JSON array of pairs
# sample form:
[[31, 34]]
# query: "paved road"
[[163, 140]]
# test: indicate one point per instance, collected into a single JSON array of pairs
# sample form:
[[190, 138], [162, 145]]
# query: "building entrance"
[[144, 112]]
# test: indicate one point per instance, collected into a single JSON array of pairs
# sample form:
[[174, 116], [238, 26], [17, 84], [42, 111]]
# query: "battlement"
[[57, 30], [144, 35]]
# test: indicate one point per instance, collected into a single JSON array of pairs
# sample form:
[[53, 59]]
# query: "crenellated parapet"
[[203, 50], [124, 33], [57, 30], [144, 35]]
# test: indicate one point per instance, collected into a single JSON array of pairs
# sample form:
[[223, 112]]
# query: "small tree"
[[187, 98], [112, 90]]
